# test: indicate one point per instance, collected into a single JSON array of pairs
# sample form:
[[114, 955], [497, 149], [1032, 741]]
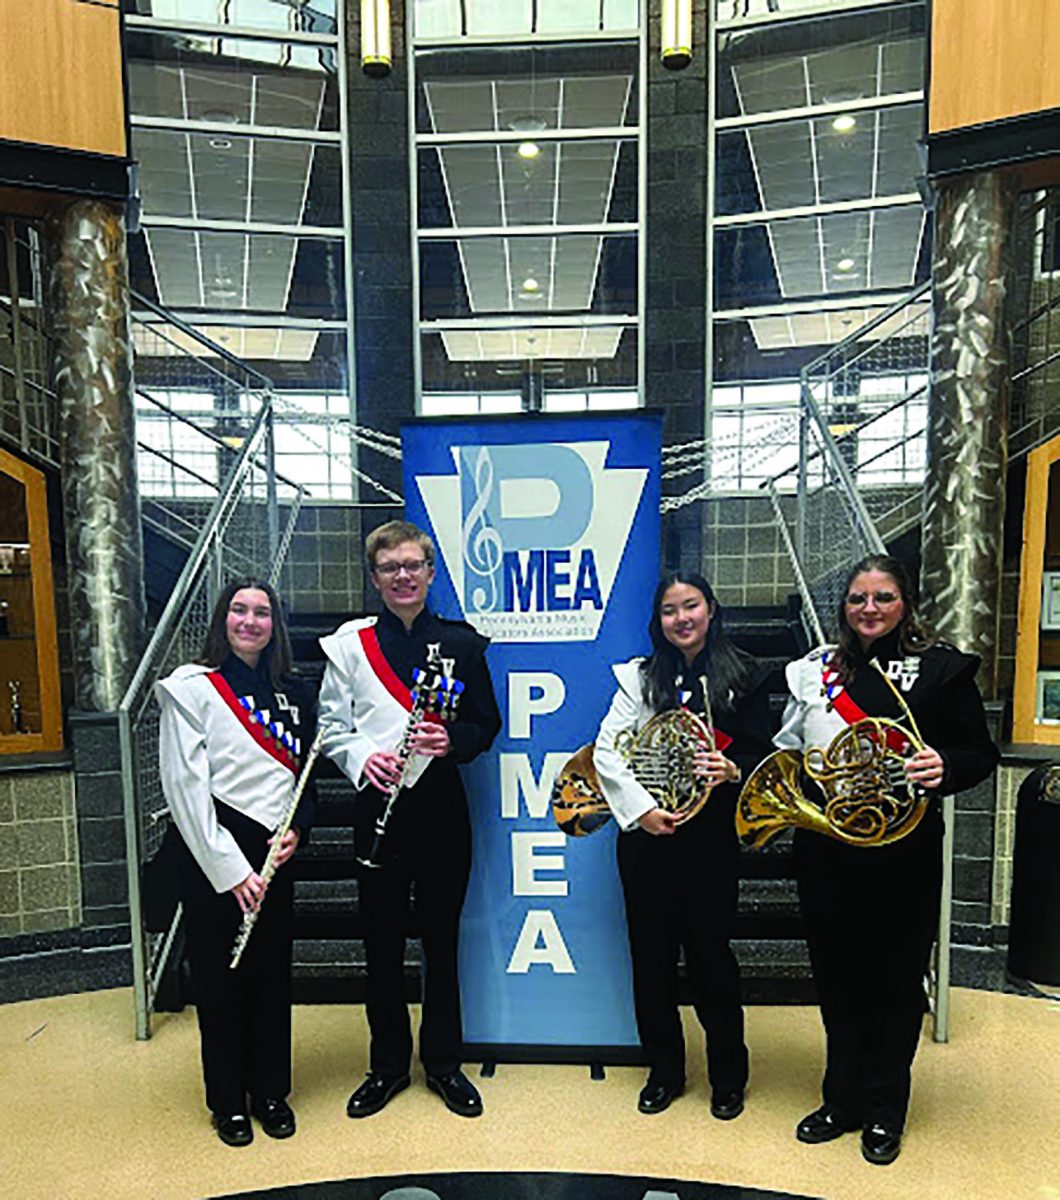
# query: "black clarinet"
[[432, 692]]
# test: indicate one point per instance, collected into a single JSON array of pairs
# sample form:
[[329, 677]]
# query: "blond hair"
[[394, 533]]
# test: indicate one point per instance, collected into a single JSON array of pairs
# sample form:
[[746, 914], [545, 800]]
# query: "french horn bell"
[[867, 798], [661, 755]]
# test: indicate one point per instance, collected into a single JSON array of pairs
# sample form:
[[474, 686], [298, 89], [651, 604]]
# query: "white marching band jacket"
[[626, 798], [809, 719], [206, 751], [358, 712]]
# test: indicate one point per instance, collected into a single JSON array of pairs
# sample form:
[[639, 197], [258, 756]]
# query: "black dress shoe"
[[458, 1092], [879, 1144], [234, 1129], [374, 1094], [657, 1097], [275, 1116], [825, 1124], [726, 1106]]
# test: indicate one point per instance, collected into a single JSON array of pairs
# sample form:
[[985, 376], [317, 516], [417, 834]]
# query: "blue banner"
[[548, 536]]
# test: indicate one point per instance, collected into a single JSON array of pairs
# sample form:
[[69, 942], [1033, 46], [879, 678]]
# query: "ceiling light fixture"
[[676, 31], [845, 123], [529, 150], [375, 38], [530, 284], [220, 144], [845, 264]]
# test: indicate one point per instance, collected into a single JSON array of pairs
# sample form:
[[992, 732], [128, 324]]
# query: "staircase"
[[329, 965], [769, 942]]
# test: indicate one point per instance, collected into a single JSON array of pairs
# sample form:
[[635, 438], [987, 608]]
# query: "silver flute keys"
[[269, 868]]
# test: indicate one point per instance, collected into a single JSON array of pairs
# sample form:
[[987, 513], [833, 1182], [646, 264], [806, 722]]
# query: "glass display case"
[[30, 708]]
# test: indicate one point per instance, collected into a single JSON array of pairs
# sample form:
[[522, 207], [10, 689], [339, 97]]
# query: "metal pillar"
[[93, 380], [964, 501]]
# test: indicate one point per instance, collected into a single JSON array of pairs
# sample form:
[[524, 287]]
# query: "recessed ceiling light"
[[220, 143], [845, 264], [844, 123], [529, 150], [530, 284]]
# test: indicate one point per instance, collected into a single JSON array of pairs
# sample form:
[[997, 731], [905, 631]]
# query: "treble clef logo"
[[482, 543]]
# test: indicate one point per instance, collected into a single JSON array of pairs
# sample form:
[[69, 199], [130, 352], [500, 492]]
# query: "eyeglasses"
[[859, 599], [414, 566]]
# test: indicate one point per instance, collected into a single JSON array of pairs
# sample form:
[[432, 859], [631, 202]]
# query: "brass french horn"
[[661, 755], [867, 798]]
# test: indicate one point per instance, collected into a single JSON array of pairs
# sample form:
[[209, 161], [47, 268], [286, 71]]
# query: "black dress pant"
[[426, 853], [681, 891], [871, 915], [244, 1015]]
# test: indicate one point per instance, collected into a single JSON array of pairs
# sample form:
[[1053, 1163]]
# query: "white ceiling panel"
[[786, 176], [164, 341], [585, 178], [803, 163], [219, 177], [827, 328], [506, 345], [486, 274], [797, 256], [897, 233], [563, 184]]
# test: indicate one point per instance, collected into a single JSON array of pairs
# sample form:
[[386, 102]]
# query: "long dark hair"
[[215, 647], [914, 637], [729, 670]]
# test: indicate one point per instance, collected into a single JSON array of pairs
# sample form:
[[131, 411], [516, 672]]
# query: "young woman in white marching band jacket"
[[680, 879], [234, 729], [871, 912]]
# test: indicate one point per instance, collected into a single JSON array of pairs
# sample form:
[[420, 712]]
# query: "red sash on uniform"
[[383, 671], [256, 731], [386, 674], [851, 712]]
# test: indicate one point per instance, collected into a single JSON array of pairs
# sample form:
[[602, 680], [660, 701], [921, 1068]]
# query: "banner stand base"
[[489, 1054]]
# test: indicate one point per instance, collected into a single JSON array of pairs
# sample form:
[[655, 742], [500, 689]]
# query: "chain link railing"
[[208, 481], [29, 414], [862, 438], [1035, 351], [862, 458]]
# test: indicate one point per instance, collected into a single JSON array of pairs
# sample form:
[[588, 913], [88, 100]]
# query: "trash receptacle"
[[1034, 915]]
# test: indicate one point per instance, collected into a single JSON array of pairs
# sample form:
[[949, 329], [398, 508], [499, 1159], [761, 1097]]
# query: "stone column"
[[93, 378], [964, 501]]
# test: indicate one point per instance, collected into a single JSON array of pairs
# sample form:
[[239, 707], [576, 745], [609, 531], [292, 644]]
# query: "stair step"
[[326, 893], [335, 792], [320, 847], [329, 964], [769, 895]]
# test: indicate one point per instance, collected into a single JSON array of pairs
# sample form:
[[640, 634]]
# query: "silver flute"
[[269, 869]]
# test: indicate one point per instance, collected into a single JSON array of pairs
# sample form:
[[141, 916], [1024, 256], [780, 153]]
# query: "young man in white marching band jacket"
[[365, 708]]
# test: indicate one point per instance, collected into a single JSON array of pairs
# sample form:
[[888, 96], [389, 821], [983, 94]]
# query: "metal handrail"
[[139, 689], [206, 433], [857, 334], [166, 628], [288, 535], [810, 621], [843, 472], [169, 318]]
